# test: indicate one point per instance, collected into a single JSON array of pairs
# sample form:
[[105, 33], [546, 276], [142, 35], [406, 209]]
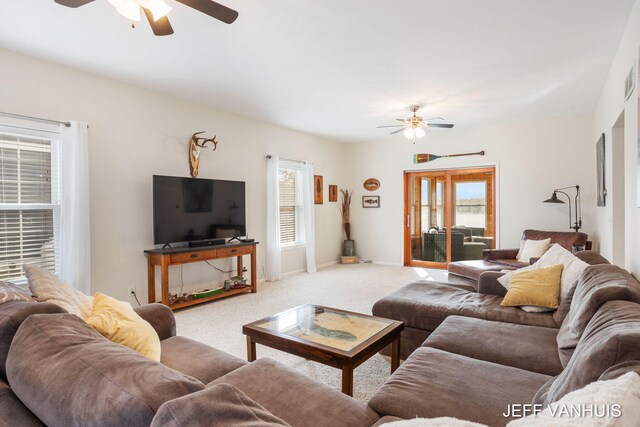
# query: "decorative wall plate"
[[371, 184]]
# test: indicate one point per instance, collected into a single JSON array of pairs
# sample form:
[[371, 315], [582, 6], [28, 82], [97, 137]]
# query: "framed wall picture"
[[370, 201], [317, 190], [333, 193], [600, 164]]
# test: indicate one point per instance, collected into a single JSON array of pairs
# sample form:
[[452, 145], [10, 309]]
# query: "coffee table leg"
[[251, 349], [395, 354], [347, 380]]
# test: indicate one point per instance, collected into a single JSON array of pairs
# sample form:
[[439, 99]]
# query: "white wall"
[[135, 133], [532, 158], [610, 106]]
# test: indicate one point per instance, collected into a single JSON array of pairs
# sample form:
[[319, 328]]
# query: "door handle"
[[408, 221], [233, 251], [194, 255]]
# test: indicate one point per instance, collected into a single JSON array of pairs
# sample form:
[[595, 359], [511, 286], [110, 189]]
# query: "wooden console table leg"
[[395, 354], [240, 266], [151, 281], [254, 274], [251, 349], [164, 279], [347, 380]]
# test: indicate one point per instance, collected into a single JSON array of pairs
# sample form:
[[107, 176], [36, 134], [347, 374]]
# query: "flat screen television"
[[190, 209]]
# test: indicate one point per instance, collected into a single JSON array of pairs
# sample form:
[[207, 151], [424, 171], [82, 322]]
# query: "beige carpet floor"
[[350, 287]]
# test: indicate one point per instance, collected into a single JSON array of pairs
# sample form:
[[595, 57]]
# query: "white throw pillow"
[[573, 267], [433, 422], [533, 249], [47, 287], [599, 395]]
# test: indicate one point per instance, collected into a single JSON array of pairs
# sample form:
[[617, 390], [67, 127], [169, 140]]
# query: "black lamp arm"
[[569, 200], [577, 200]]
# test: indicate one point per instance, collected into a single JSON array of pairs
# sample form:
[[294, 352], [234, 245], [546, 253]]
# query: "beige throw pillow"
[[47, 287], [598, 396], [572, 270], [533, 249]]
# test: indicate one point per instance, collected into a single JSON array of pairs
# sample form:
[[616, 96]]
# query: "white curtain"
[[273, 267], [309, 216], [75, 256]]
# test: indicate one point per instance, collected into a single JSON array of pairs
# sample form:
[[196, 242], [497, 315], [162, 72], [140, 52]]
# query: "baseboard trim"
[[392, 264]]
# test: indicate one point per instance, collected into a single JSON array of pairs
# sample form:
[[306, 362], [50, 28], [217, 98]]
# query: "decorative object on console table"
[[348, 246], [333, 193], [424, 158], [600, 159], [317, 190], [370, 201], [577, 224], [194, 150], [371, 184]]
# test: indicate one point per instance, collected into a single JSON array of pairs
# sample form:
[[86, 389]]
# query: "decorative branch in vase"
[[348, 247]]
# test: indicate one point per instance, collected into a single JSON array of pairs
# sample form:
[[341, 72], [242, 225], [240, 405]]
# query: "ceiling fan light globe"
[[420, 132], [409, 133], [130, 9], [158, 8]]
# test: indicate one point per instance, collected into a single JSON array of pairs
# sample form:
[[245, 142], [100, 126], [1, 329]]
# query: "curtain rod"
[[20, 116]]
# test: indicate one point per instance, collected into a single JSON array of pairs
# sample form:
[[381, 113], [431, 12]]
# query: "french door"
[[449, 216]]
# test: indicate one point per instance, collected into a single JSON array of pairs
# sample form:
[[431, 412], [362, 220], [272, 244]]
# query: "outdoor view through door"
[[449, 216]]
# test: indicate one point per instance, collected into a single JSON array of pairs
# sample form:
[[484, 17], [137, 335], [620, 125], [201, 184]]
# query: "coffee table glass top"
[[321, 325]]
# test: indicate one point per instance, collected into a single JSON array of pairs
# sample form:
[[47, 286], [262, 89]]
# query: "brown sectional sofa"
[[477, 359], [467, 358]]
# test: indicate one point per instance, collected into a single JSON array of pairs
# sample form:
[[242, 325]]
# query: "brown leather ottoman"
[[473, 269]]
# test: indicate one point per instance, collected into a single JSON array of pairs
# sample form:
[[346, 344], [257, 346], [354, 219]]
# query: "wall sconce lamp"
[[577, 224], [194, 151]]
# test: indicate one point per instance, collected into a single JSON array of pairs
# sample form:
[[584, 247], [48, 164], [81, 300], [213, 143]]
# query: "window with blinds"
[[290, 205], [29, 202]]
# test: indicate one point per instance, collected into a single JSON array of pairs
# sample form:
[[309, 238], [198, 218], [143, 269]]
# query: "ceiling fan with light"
[[416, 127], [156, 11]]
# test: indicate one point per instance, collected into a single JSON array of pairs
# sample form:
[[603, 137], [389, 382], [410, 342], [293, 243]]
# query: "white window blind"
[[29, 201], [290, 204]]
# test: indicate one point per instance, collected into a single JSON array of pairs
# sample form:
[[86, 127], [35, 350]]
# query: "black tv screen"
[[188, 209]]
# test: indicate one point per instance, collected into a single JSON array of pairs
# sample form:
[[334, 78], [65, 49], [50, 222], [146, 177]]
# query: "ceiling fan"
[[416, 126], [156, 11]]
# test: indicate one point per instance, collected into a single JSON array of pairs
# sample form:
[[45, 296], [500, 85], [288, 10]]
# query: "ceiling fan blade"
[[440, 125], [390, 126], [435, 118], [213, 9], [73, 3], [402, 120], [397, 131], [161, 27]]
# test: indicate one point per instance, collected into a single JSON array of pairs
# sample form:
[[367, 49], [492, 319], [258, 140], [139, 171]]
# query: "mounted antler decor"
[[194, 150]]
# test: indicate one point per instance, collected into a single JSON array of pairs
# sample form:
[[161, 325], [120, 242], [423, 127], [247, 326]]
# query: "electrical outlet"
[[132, 290]]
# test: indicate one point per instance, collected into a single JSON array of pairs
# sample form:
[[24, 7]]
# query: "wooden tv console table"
[[177, 256]]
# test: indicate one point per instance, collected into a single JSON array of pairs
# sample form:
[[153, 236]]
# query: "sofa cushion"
[[425, 305], [434, 383], [598, 284], [68, 374], [219, 405], [13, 411], [12, 314], [473, 269], [536, 290], [610, 338], [532, 348], [295, 398], [196, 359]]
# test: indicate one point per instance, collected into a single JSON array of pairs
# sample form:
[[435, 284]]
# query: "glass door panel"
[[426, 219], [449, 216]]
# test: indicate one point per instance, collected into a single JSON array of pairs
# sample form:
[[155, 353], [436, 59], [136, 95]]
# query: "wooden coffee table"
[[333, 337]]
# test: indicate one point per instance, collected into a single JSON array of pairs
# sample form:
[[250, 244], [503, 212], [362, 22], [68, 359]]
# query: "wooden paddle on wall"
[[424, 158]]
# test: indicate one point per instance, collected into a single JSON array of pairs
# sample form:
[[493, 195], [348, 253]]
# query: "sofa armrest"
[[488, 284], [160, 317], [489, 254]]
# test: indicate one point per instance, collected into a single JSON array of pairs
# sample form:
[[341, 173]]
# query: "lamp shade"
[[553, 199]]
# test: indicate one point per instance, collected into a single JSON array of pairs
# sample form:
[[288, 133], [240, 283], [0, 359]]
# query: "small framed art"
[[370, 201]]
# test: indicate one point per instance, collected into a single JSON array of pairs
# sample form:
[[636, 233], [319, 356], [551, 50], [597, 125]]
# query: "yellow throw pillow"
[[120, 324], [539, 287]]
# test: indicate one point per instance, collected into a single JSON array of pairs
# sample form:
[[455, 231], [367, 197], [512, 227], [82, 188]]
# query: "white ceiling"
[[339, 68]]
